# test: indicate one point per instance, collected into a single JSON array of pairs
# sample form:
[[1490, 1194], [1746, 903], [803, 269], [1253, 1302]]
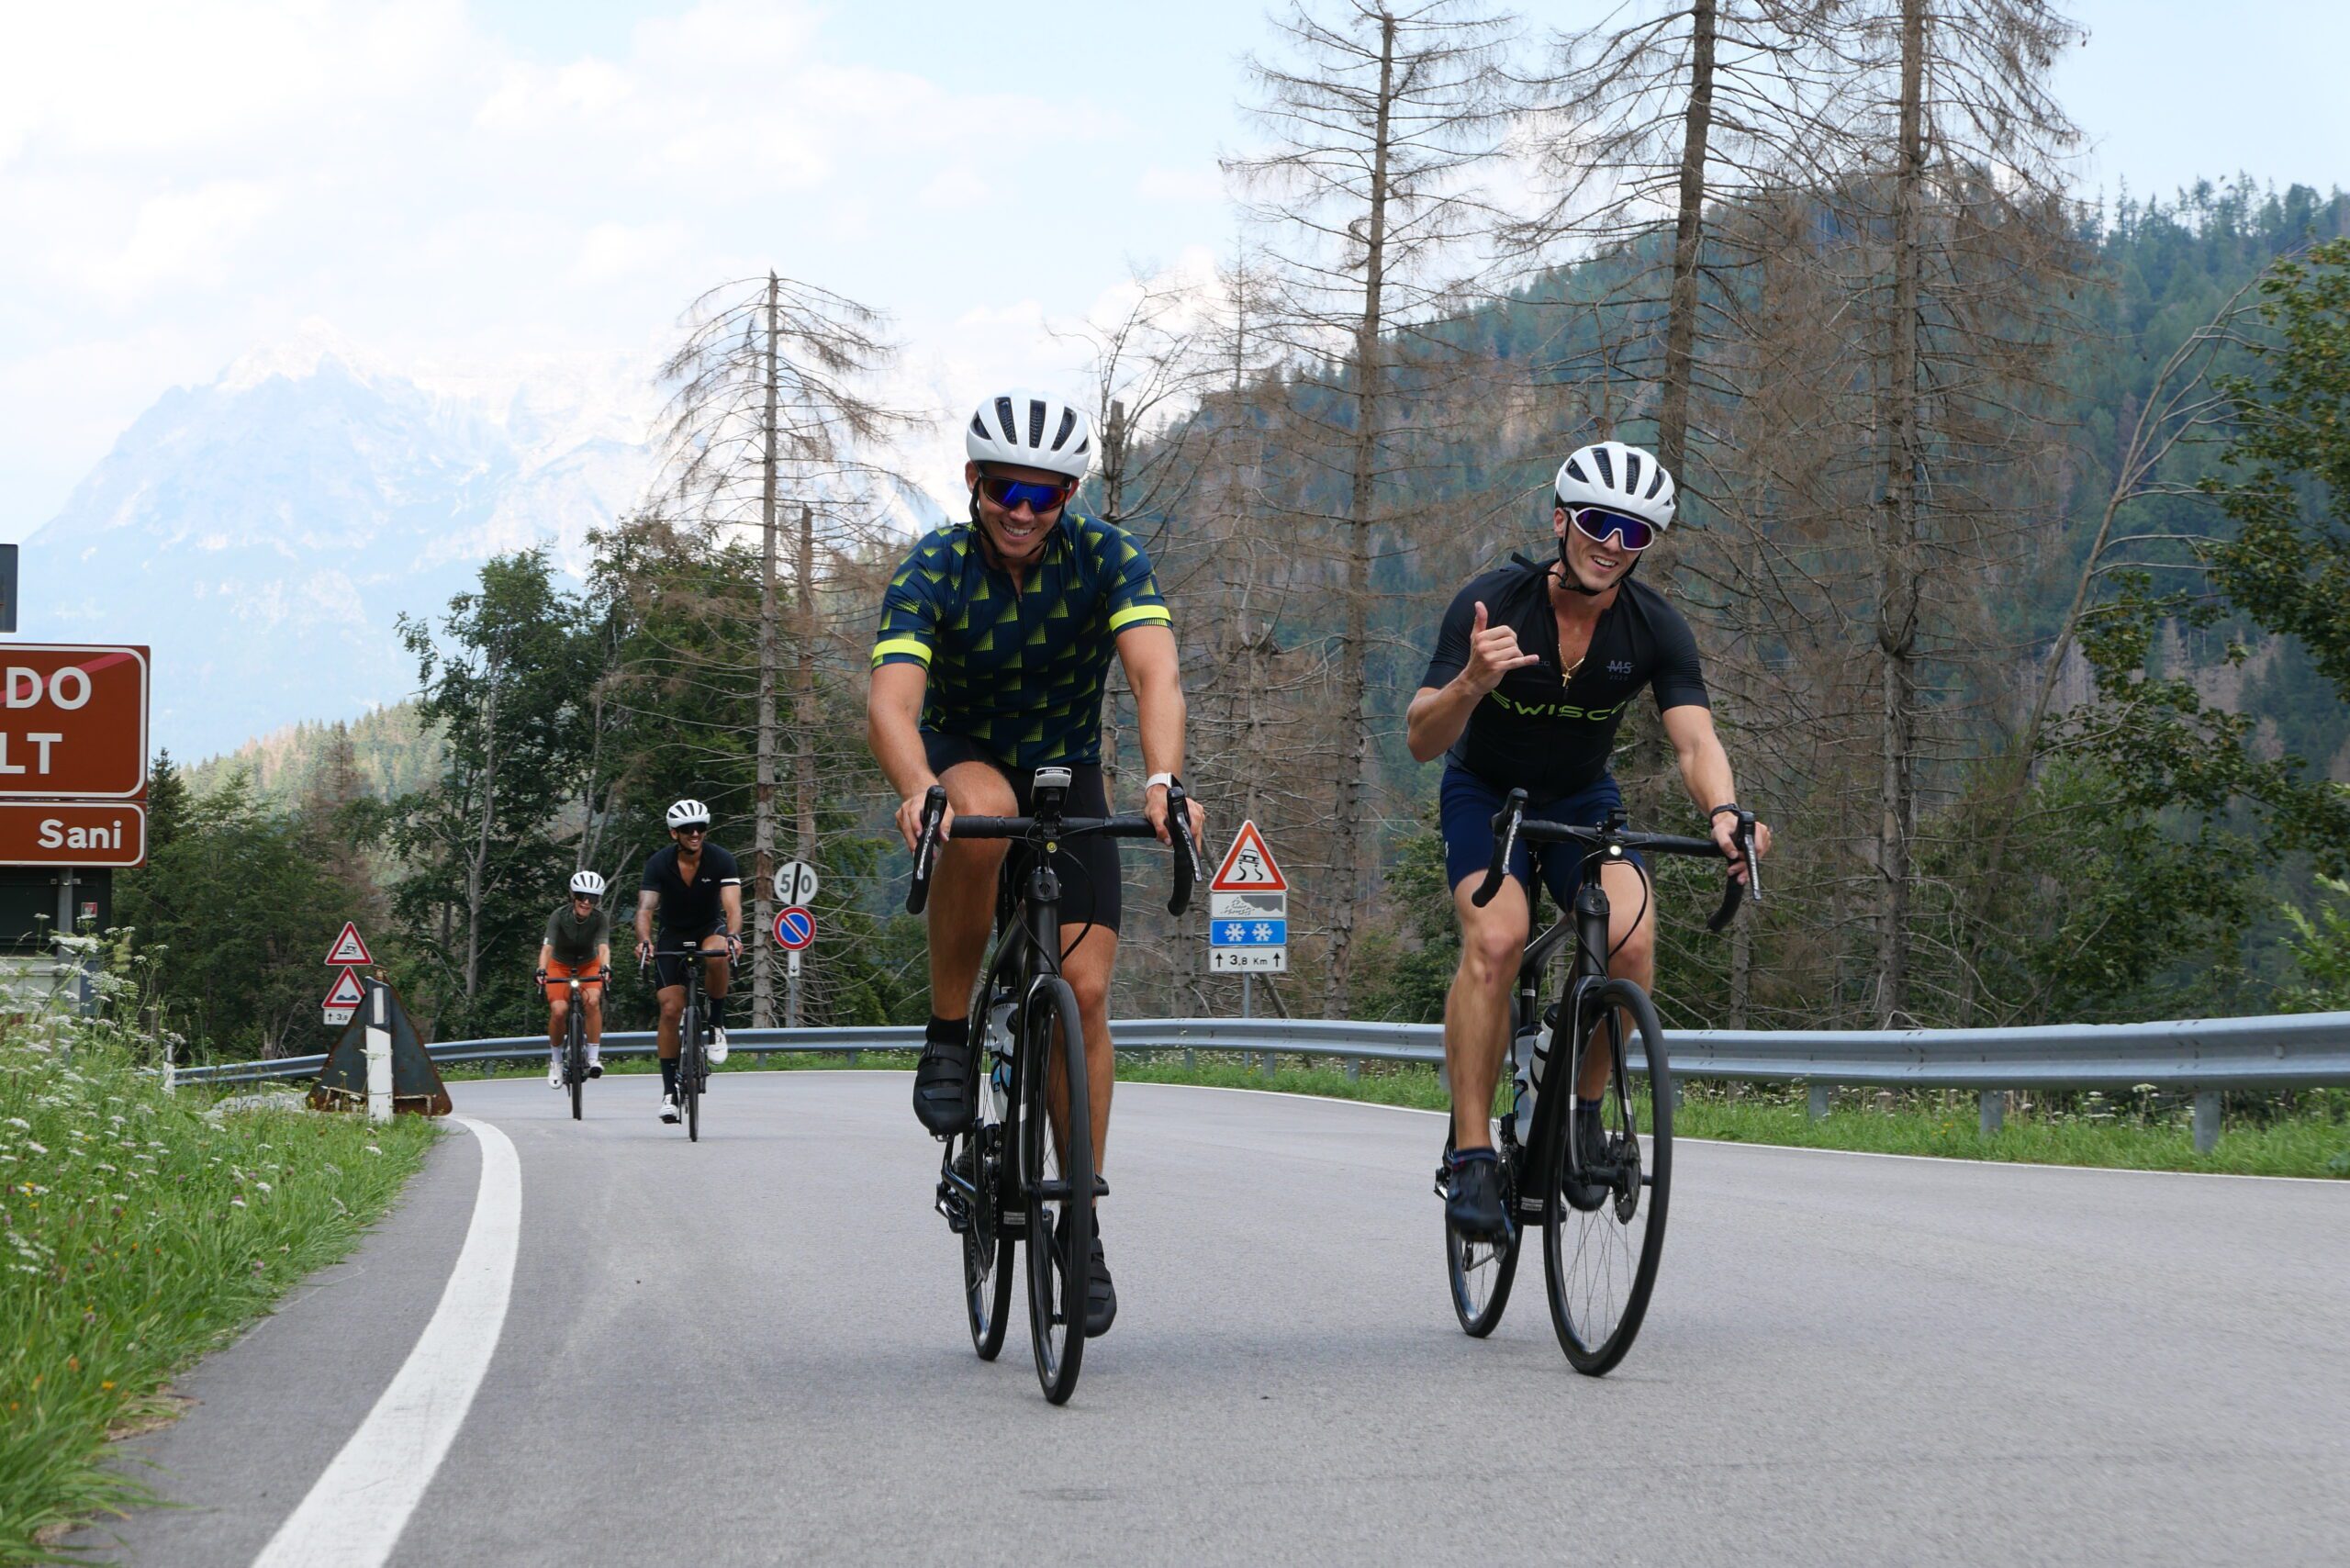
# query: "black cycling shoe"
[[1590, 1139], [1101, 1297], [1473, 1205], [943, 1097]]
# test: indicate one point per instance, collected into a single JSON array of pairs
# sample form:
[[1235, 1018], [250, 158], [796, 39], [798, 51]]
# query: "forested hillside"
[[555, 721]]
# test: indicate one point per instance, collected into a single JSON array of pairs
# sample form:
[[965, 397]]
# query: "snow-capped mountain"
[[265, 531]]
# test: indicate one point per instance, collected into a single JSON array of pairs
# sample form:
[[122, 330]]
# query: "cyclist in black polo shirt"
[[698, 891], [1533, 670]]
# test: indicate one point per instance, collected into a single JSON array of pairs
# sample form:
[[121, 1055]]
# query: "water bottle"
[[998, 1046], [1526, 1055]]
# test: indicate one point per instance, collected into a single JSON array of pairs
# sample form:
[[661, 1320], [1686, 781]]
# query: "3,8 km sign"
[[73, 722]]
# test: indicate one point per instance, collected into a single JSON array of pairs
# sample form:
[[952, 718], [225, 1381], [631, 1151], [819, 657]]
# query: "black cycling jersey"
[[571, 940], [1535, 733], [694, 910]]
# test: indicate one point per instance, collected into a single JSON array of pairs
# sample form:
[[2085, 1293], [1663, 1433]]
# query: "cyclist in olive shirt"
[[578, 942]]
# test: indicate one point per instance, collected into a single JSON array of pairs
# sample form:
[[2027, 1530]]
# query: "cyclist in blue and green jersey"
[[995, 640]]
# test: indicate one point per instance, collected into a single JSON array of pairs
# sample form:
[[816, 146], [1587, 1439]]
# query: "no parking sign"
[[795, 928]]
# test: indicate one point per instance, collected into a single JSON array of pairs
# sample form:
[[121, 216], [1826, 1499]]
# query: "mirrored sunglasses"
[[1013, 494], [1596, 523]]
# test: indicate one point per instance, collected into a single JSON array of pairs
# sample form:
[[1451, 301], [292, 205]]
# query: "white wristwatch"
[[1156, 780]]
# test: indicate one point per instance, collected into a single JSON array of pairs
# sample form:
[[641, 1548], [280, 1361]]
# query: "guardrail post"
[[1817, 1108], [2206, 1120], [1268, 1064], [1191, 1062], [1354, 1070], [1994, 1103]]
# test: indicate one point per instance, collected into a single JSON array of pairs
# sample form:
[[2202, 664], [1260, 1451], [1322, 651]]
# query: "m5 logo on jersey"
[[1619, 666]]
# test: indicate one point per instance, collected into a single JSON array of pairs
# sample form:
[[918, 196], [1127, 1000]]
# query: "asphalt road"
[[752, 1351]]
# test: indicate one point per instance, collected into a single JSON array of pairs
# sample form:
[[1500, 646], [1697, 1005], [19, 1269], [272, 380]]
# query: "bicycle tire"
[[1480, 1272], [1060, 1235], [689, 1063], [988, 1249], [1600, 1264], [575, 1058]]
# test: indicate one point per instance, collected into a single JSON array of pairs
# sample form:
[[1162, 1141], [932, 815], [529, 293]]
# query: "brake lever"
[[933, 807], [1505, 826]]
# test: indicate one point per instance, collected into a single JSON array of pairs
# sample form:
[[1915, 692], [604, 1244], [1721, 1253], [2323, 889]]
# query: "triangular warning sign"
[[348, 948], [347, 991], [1249, 865]]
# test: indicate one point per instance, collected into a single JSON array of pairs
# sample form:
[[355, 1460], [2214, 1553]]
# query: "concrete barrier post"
[[379, 1052], [1993, 1104], [1817, 1107], [2206, 1120]]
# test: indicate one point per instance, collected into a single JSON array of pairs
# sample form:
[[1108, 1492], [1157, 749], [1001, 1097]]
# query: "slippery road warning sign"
[[1249, 865], [348, 948]]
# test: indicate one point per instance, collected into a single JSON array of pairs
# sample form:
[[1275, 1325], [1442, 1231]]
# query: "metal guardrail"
[[2205, 1056]]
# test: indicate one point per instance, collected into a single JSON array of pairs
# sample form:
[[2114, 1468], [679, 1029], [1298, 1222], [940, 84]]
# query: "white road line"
[[354, 1515]]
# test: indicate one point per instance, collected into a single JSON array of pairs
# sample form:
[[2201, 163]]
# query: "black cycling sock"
[[715, 1011], [1463, 1156], [669, 1075], [947, 1031]]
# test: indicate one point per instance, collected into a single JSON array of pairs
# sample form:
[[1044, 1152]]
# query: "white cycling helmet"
[[1621, 478], [1031, 430], [587, 884], [689, 813]]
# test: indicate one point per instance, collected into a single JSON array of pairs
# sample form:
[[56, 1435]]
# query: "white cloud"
[[184, 237], [619, 250]]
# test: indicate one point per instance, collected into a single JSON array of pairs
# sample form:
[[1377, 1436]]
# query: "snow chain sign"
[[1249, 909]]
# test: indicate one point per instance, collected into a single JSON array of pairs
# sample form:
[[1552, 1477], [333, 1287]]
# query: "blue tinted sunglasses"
[[1013, 494], [1595, 524]]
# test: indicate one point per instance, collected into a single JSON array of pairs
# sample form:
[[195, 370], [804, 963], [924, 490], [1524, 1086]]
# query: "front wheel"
[[1057, 1179], [575, 1058], [689, 1067], [1604, 1207]]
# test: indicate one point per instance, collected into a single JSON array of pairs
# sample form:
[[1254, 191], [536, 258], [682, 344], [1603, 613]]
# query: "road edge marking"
[[354, 1515]]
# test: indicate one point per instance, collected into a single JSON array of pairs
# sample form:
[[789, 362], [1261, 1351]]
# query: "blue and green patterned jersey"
[[1019, 670]]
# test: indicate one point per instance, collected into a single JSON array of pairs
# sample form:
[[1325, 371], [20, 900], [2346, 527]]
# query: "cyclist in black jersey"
[[994, 640], [697, 890], [1533, 670]]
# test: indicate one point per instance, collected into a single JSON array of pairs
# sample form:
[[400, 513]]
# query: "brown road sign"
[[73, 832], [73, 720]]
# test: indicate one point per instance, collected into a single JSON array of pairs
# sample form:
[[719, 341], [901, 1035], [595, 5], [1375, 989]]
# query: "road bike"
[[693, 1036], [1009, 1179], [574, 1042], [1601, 1207]]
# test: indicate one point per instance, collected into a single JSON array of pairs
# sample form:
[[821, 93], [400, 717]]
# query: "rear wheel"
[[1057, 1181], [1601, 1262], [1481, 1268], [988, 1245]]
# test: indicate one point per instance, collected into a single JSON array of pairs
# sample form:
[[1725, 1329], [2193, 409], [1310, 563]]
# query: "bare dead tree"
[[1381, 115], [775, 396]]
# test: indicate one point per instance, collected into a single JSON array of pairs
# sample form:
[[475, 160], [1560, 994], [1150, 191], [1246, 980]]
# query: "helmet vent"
[[1606, 469], [1003, 417], [1631, 471], [1576, 469], [1654, 486], [1068, 423], [1035, 423], [979, 428]]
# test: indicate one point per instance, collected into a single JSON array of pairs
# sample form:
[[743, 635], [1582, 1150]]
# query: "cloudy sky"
[[491, 186]]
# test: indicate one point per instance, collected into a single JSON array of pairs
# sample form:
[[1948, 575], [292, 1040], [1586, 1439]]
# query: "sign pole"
[[792, 989], [1248, 995]]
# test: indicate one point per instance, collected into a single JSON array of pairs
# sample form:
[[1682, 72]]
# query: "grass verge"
[[135, 1234], [2304, 1135]]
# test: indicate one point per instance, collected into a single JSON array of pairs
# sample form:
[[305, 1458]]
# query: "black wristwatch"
[[1731, 806]]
